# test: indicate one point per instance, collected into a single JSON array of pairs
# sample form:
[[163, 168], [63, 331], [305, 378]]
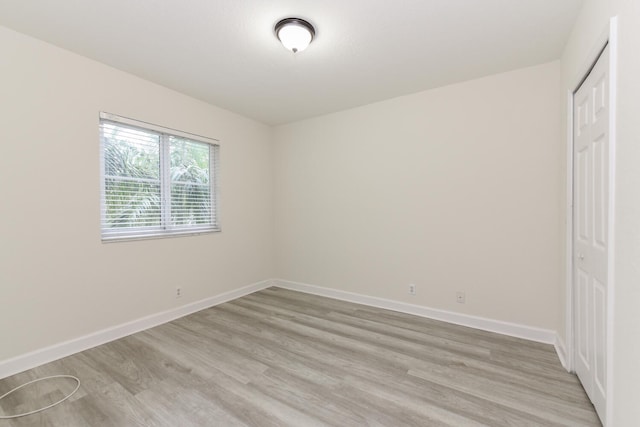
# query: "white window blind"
[[155, 181]]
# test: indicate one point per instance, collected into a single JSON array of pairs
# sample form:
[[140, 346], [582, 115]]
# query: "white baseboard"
[[49, 354], [561, 349], [512, 329]]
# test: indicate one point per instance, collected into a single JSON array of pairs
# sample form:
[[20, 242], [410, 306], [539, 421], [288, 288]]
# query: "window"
[[155, 181]]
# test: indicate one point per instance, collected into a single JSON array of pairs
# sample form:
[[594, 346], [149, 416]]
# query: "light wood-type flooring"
[[284, 358]]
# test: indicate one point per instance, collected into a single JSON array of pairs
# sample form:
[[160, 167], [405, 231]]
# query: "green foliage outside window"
[[133, 179]]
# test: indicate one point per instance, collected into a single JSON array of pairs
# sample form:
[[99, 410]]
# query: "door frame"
[[607, 37]]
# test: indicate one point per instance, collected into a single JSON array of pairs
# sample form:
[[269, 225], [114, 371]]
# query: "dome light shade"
[[295, 34]]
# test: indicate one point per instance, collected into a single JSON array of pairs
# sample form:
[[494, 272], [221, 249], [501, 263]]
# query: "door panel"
[[599, 194], [582, 331], [582, 192], [599, 298], [591, 233]]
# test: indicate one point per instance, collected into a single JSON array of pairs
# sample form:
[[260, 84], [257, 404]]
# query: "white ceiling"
[[224, 51]]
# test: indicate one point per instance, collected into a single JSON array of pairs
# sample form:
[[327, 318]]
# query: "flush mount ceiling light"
[[295, 34]]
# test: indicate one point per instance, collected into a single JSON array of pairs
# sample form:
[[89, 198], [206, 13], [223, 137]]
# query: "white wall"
[[591, 23], [57, 280], [451, 189]]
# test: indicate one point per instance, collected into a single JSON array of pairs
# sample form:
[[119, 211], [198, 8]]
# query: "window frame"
[[165, 229]]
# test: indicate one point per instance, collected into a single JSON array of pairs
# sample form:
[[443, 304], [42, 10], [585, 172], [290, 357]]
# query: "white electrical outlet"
[[178, 292], [461, 298], [412, 289]]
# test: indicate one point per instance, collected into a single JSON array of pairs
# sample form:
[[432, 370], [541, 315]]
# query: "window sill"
[[153, 236]]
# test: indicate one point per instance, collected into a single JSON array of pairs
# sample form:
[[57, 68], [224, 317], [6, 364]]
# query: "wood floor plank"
[[284, 358]]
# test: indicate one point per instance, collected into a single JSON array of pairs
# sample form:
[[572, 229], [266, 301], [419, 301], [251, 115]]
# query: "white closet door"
[[591, 239]]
